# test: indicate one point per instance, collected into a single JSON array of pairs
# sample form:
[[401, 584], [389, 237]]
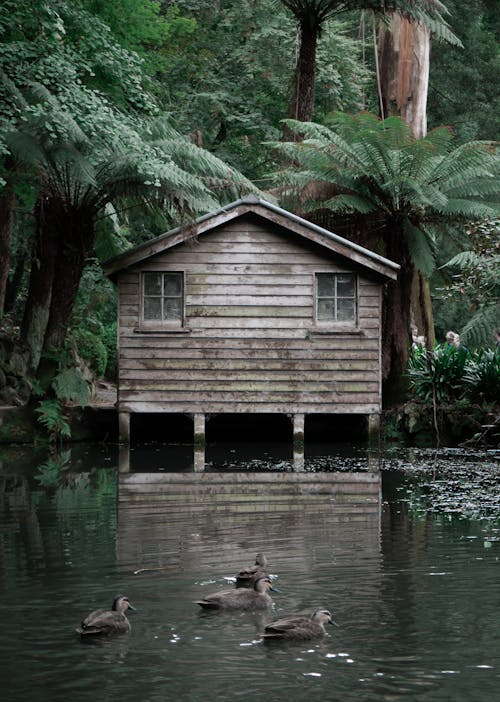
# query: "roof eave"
[[252, 203]]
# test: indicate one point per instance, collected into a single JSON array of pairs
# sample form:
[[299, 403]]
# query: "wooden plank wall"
[[252, 346]]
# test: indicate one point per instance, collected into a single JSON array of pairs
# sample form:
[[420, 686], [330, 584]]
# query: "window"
[[162, 298], [336, 298]]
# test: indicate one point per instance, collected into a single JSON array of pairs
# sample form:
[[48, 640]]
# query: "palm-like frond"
[[430, 13], [478, 330], [377, 165], [421, 246]]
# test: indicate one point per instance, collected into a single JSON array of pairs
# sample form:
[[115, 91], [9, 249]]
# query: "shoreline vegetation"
[[452, 400]]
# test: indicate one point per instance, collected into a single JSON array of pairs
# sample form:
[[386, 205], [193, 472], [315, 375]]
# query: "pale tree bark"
[[404, 54]]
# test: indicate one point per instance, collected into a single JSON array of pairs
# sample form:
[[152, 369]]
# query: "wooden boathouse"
[[250, 309]]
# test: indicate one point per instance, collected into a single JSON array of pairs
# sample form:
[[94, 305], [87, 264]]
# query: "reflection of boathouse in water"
[[249, 310], [174, 521]]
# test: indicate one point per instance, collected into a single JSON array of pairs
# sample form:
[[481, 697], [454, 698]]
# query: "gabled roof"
[[272, 213]]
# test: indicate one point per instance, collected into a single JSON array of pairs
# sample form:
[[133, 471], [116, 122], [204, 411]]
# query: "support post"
[[199, 442], [374, 428], [298, 441], [124, 427]]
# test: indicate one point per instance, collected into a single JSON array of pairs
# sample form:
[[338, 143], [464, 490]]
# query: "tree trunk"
[[36, 311], [7, 201], [421, 308], [70, 263], [396, 321], [76, 237], [404, 52], [301, 106]]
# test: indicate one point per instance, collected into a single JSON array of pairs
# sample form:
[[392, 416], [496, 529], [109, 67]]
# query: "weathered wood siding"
[[249, 343]]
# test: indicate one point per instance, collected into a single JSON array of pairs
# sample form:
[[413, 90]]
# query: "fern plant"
[[52, 418]]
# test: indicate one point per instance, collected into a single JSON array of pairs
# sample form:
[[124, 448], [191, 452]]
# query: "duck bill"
[[275, 589], [134, 609], [333, 623]]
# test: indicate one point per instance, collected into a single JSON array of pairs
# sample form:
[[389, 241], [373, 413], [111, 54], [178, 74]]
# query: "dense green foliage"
[[448, 373], [476, 280], [84, 142], [120, 118], [464, 91]]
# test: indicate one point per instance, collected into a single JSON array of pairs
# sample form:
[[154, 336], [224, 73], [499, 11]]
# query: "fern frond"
[[421, 247], [478, 331]]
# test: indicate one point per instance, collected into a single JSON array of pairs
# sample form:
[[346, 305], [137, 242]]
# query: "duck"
[[103, 622], [243, 599], [247, 577], [299, 628]]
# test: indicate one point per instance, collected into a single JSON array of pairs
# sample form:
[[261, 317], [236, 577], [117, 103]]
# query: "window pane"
[[346, 311], [152, 284], [326, 285], [345, 285], [326, 309], [336, 299], [152, 308], [173, 284], [172, 308]]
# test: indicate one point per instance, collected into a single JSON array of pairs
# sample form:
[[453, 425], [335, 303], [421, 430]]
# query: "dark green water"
[[413, 581]]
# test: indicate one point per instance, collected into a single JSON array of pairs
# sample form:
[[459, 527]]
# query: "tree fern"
[[379, 184]]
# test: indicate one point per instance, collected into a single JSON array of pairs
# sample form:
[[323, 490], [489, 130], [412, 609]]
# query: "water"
[[408, 560]]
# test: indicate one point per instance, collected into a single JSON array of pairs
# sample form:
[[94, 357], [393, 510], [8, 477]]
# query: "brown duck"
[[242, 598], [299, 628], [103, 622], [247, 577]]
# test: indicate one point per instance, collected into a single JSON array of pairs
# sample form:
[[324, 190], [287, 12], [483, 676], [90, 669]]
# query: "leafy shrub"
[[91, 349], [109, 340], [451, 374], [440, 371], [70, 384], [482, 377]]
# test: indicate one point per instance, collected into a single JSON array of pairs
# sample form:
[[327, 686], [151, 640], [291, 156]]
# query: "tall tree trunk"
[[396, 320], [404, 52], [36, 311], [7, 202], [301, 106], [76, 237], [70, 262]]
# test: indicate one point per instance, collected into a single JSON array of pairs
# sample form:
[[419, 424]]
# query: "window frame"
[[162, 324], [332, 324]]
